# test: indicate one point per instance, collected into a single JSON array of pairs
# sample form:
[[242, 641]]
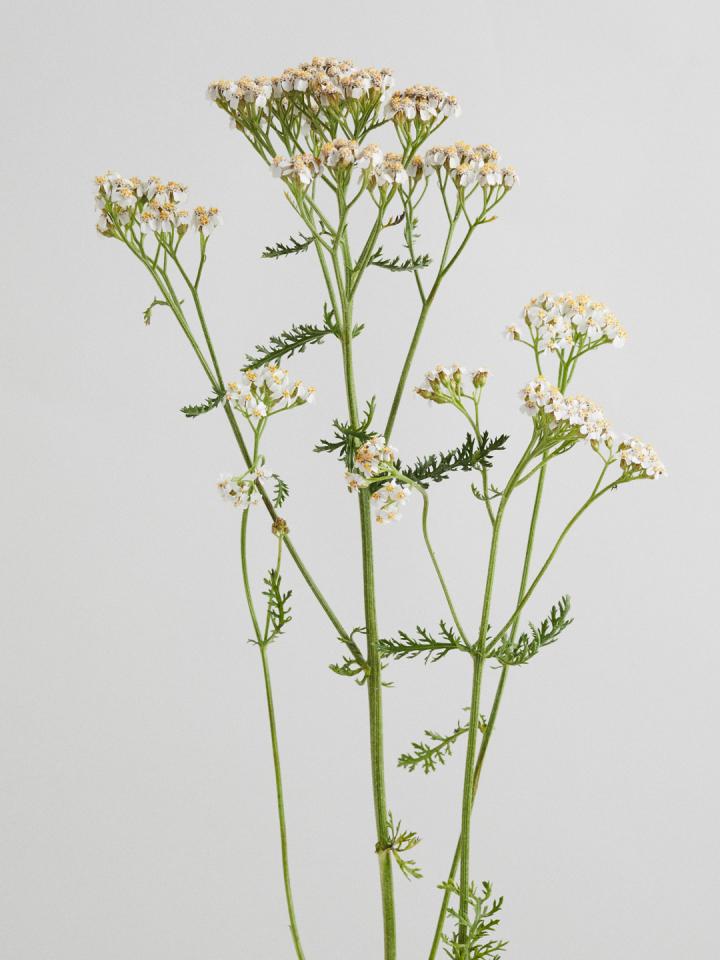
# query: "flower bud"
[[280, 527], [480, 378]]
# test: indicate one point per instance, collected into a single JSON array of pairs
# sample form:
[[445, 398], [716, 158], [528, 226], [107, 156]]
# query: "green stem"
[[488, 732], [262, 644], [373, 660]]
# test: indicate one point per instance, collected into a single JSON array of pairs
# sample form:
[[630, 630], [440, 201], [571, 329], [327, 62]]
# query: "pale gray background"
[[137, 786]]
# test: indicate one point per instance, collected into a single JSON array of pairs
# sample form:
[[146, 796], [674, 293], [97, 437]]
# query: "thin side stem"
[[260, 637]]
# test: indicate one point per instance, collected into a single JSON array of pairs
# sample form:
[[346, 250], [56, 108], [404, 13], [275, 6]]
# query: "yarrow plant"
[[314, 126]]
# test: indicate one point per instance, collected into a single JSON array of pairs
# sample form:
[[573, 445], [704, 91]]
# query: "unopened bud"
[[480, 378], [280, 527]]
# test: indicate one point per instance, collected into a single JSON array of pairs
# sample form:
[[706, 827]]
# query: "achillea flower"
[[422, 103], [639, 459], [387, 501], [390, 170], [373, 455], [150, 204], [559, 321], [450, 384], [569, 416], [301, 169], [339, 153], [240, 491], [257, 393], [320, 82], [469, 166]]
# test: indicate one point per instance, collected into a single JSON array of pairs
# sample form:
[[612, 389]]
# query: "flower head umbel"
[[452, 384], [312, 97], [639, 460], [566, 326], [373, 467], [469, 167], [242, 490], [263, 392], [565, 418], [134, 207]]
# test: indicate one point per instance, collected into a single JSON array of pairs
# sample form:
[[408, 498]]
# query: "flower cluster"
[[640, 459], [321, 82], [151, 205], [450, 384], [387, 501], [241, 491], [469, 166], [584, 418], [260, 393], [372, 460], [373, 456], [559, 321], [424, 103]]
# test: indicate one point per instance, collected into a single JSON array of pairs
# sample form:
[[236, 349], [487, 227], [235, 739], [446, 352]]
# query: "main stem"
[[374, 678]]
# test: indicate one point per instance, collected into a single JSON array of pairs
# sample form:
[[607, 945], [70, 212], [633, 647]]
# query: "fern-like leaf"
[[278, 605], [346, 439], [527, 645], [433, 753], [470, 455], [284, 344], [396, 265], [398, 843], [423, 645], [206, 406], [478, 924], [292, 247], [282, 491]]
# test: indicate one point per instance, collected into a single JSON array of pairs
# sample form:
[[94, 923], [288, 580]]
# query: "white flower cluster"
[[424, 103], [373, 456], [640, 459], [321, 82], [448, 384], [559, 321], [387, 501], [151, 204], [241, 491], [469, 166], [372, 460], [258, 393], [578, 413]]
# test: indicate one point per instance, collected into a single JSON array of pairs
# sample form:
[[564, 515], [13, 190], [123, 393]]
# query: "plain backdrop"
[[137, 794]]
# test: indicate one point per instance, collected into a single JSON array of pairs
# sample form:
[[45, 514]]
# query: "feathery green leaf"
[[525, 647], [470, 455], [198, 409], [396, 265]]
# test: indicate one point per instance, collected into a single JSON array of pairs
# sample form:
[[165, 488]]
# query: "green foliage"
[[399, 842], [282, 491], [197, 410], [278, 606], [293, 246], [396, 265], [470, 455], [423, 645], [434, 753], [524, 647], [353, 664], [346, 438], [479, 924], [284, 344], [147, 313], [296, 340]]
